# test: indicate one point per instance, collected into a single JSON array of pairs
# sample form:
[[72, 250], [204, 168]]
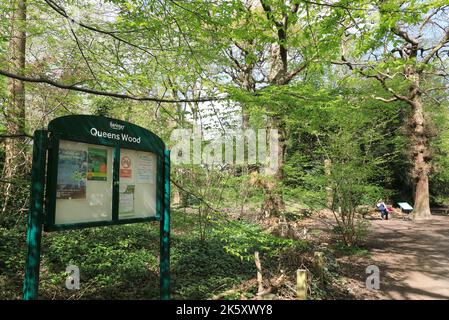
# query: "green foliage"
[[345, 128], [121, 262], [439, 178], [191, 49], [342, 249], [12, 262], [242, 239]]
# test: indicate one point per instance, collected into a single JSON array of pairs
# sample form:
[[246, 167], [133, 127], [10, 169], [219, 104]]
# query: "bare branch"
[[376, 76], [436, 48], [231, 56], [193, 194], [404, 35], [344, 62], [333, 5], [78, 44], [436, 88], [75, 87], [430, 16], [385, 100], [298, 70], [64, 14]]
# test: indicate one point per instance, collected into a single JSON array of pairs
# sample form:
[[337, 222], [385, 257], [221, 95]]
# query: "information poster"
[[84, 183], [144, 168], [72, 172], [97, 164], [126, 167], [137, 184], [126, 200]]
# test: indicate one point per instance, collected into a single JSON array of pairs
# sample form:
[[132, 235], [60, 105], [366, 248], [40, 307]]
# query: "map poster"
[[125, 167], [144, 169], [97, 164], [126, 201], [72, 171]]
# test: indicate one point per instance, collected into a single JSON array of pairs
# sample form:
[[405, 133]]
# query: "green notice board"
[[102, 171], [90, 171]]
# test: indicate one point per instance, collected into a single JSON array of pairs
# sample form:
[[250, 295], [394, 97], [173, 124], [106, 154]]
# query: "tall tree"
[[401, 46], [14, 113], [282, 17]]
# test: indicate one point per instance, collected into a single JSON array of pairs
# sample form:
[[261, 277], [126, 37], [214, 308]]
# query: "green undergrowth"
[[122, 262]]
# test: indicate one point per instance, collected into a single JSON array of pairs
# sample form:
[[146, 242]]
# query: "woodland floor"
[[413, 258], [121, 262]]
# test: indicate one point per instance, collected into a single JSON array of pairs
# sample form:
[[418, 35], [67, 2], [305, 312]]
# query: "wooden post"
[[301, 284], [176, 197], [259, 272], [319, 264]]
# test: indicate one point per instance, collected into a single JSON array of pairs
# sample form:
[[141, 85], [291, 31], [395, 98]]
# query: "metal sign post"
[[165, 233], [100, 172], [34, 232]]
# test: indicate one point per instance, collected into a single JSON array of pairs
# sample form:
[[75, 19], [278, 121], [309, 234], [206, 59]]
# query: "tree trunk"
[[277, 123], [278, 69], [278, 65], [248, 85], [420, 158], [14, 112], [273, 198], [327, 172], [422, 206]]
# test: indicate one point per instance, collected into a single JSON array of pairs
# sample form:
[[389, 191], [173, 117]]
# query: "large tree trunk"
[[276, 123], [420, 157], [15, 156], [278, 69], [249, 86]]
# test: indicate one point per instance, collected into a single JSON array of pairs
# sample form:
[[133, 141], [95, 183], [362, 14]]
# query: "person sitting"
[[383, 209]]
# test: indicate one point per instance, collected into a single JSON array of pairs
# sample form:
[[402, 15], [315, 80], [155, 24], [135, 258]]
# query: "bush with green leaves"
[[355, 164]]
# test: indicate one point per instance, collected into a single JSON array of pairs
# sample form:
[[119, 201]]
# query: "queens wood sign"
[[107, 131], [116, 136]]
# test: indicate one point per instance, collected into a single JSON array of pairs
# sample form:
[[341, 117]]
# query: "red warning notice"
[[125, 167]]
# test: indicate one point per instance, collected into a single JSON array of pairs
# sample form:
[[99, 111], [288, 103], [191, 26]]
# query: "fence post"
[[301, 284]]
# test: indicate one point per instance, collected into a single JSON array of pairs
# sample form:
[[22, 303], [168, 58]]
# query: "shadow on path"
[[413, 257]]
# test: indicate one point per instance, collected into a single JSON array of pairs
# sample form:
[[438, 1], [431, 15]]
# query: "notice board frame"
[[79, 128], [62, 129]]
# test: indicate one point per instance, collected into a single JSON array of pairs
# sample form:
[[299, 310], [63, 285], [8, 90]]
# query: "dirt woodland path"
[[412, 256]]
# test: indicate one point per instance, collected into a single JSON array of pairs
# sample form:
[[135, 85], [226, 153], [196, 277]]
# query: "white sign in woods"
[[85, 180]]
